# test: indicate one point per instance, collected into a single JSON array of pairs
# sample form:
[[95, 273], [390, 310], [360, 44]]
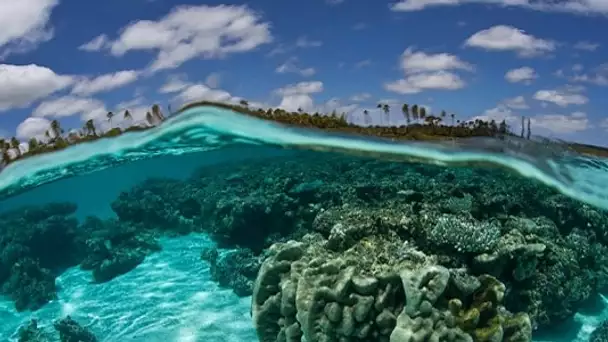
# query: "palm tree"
[[415, 113], [127, 115], [386, 109], [443, 114], [366, 117], [56, 129], [15, 145], [453, 116], [110, 115], [406, 113], [157, 113], [422, 113], [33, 144], [244, 103], [90, 127], [149, 118]]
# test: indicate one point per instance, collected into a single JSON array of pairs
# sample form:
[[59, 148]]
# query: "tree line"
[[420, 125]]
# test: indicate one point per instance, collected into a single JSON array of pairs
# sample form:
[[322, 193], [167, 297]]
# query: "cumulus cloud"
[[305, 42], [174, 84], [518, 102], [194, 31], [416, 83], [418, 61], [521, 75], [200, 92], [509, 38], [561, 97], [586, 46], [24, 24], [103, 83], [33, 127], [428, 71], [290, 66], [96, 44], [570, 6], [213, 79], [361, 97], [69, 105], [298, 96], [597, 75], [559, 123], [21, 85]]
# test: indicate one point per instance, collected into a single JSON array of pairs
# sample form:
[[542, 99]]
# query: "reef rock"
[[370, 293]]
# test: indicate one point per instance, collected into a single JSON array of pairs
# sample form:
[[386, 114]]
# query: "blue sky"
[[77, 60]]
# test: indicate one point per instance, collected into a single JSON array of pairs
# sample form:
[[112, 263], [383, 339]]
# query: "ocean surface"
[[170, 294]]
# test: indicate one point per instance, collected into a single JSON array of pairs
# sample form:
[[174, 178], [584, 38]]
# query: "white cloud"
[[298, 96], [597, 76], [509, 38], [301, 88], [359, 26], [559, 123], [174, 84], [200, 92], [523, 74], [417, 83], [586, 46], [428, 71], [499, 113], [334, 2], [195, 31], [67, 106], [517, 102], [213, 80], [96, 44], [21, 85], [305, 42], [33, 127], [571, 6], [561, 97], [363, 63], [418, 61], [24, 24], [290, 66], [103, 83], [604, 124], [361, 97]]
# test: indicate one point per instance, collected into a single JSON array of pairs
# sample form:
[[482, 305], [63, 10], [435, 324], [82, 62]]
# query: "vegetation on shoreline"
[[421, 126]]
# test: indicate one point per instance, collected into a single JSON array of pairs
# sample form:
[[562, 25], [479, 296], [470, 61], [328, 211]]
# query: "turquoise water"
[[210, 179]]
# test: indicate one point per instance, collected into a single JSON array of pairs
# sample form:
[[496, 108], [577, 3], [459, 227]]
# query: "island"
[[421, 126]]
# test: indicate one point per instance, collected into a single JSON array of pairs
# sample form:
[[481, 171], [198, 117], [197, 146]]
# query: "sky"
[[492, 59]]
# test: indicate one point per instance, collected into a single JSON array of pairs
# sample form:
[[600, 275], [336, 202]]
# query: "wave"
[[208, 128]]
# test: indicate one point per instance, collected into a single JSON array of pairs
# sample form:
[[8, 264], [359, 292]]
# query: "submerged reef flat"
[[337, 248]]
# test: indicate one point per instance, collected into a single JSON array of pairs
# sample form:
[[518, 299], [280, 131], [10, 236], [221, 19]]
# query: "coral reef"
[[235, 269], [364, 229], [366, 293], [67, 329], [600, 334]]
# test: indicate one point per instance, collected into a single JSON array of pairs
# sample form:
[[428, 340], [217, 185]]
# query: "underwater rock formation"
[[378, 289], [600, 334], [39, 242], [67, 329], [235, 269], [549, 252]]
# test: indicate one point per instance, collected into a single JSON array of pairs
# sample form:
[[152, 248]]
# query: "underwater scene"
[[219, 226]]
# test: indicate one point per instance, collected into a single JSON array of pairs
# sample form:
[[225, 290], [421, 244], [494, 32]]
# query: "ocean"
[[216, 226]]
